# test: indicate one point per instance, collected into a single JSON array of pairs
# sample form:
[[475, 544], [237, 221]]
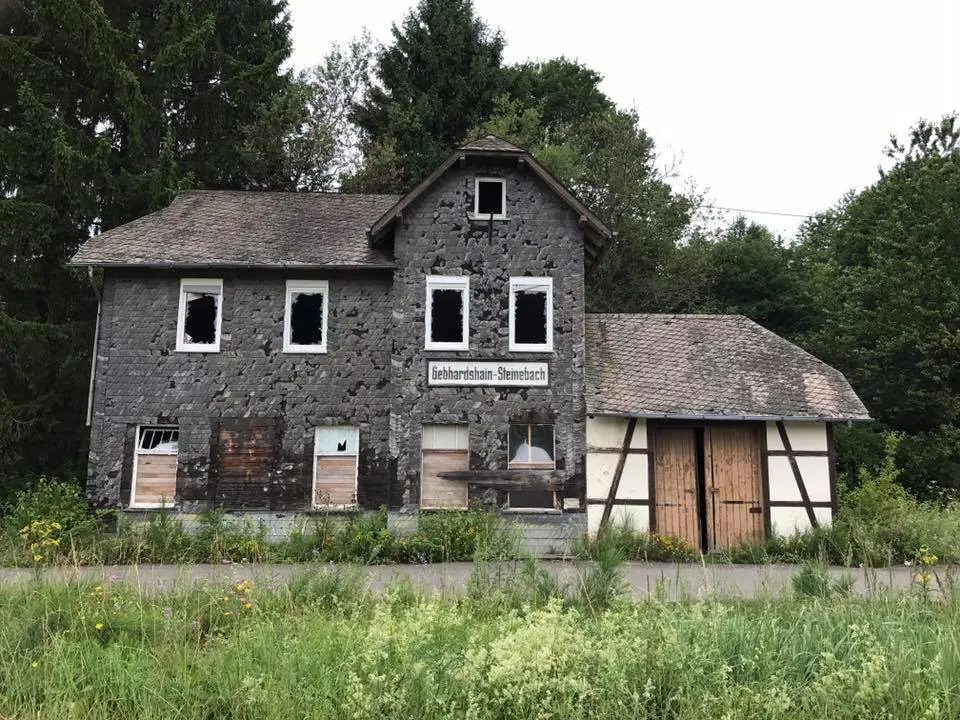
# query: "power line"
[[761, 212]]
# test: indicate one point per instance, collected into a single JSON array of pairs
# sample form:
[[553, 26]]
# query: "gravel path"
[[678, 582]]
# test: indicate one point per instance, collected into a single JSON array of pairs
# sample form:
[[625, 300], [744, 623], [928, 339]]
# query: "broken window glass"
[[306, 319], [531, 445], [530, 316], [159, 440], [200, 324], [490, 197], [336, 439], [446, 316]]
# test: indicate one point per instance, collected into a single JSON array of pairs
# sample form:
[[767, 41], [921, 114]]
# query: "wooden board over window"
[[445, 449], [245, 457], [155, 470], [335, 469]]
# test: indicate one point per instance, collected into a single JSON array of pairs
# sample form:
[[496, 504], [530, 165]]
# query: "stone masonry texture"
[[374, 374]]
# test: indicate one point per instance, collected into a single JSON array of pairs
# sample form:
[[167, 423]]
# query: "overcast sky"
[[765, 104]]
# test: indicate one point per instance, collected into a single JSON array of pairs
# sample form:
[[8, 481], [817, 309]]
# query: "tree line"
[[109, 108]]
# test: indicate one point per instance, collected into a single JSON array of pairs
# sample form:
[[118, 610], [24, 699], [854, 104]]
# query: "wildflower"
[[98, 626], [114, 578], [248, 605], [227, 613], [167, 612], [226, 599], [37, 558], [35, 663]]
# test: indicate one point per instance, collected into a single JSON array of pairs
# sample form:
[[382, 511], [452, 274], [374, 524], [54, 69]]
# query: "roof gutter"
[[742, 418]]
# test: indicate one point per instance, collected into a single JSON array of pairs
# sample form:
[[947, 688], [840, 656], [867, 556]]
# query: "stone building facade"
[[295, 351]]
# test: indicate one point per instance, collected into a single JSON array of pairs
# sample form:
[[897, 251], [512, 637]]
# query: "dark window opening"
[[530, 317], [489, 197], [306, 319], [200, 324], [531, 445], [532, 499], [446, 316]]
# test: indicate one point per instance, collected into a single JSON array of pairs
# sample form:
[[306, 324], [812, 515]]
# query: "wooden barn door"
[[734, 506], [675, 483]]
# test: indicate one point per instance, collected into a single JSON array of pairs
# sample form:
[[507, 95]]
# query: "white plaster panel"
[[802, 435], [787, 521], [815, 472], [636, 516], [608, 432], [634, 483]]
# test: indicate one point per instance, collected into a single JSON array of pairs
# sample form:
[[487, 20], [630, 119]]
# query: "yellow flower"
[[248, 605], [98, 626], [37, 558], [228, 613], [35, 664]]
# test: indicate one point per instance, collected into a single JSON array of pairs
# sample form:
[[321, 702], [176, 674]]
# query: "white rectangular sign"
[[495, 373]]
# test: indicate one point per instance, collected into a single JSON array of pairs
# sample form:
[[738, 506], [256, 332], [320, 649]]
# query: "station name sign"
[[495, 373]]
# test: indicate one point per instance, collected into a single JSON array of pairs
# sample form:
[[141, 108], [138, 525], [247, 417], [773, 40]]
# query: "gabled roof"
[[708, 366], [596, 234], [244, 229]]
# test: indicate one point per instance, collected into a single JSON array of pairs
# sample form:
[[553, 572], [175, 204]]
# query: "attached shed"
[[710, 428]]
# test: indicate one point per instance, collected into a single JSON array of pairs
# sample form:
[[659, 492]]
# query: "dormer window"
[[490, 198]]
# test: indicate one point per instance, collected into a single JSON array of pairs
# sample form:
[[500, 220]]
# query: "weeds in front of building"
[[518, 645]]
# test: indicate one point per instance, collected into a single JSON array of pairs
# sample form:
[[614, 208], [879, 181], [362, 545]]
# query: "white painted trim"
[[520, 283], [185, 284], [356, 469], [307, 287], [477, 215], [133, 505], [447, 282]]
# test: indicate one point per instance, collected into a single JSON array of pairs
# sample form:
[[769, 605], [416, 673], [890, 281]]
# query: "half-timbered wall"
[[801, 481], [608, 450]]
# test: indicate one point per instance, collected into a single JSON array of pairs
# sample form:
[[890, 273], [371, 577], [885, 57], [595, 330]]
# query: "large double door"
[[708, 484]]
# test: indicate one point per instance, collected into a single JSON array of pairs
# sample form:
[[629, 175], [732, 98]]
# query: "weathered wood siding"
[[675, 478]]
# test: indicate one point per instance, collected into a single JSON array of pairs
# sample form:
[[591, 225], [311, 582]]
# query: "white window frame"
[[185, 286], [447, 282], [528, 466], [137, 452], [520, 283], [307, 287], [476, 198], [356, 467]]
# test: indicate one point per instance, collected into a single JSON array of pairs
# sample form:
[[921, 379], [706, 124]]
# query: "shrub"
[[814, 581], [51, 500], [634, 545]]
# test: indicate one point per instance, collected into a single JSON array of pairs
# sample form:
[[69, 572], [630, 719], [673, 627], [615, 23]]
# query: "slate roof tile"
[[707, 365], [492, 143], [247, 229]]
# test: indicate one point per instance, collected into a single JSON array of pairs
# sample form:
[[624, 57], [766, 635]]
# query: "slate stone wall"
[[540, 237], [141, 379]]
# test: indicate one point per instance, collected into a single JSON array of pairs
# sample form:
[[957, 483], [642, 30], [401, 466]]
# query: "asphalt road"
[[671, 581]]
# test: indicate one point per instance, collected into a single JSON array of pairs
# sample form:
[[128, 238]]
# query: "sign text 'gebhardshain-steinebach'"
[[509, 374]]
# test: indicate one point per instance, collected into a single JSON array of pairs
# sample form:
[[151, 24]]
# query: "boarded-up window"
[[155, 467], [246, 455], [531, 447], [200, 314], [335, 468], [445, 449]]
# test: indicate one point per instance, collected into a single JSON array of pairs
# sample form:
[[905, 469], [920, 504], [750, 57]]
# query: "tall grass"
[[324, 647]]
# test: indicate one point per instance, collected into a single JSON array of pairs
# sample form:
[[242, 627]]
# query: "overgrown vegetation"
[[48, 523], [324, 646]]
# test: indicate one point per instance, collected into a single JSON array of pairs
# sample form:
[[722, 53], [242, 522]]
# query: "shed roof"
[[708, 366], [235, 228]]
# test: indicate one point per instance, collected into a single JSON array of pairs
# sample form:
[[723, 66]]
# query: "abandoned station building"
[[289, 352]]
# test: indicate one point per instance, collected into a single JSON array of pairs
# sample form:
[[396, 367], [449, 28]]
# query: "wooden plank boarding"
[[618, 473], [811, 515], [336, 480], [675, 483], [438, 491]]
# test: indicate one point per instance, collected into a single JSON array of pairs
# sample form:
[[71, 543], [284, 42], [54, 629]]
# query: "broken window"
[[305, 328], [335, 468], [447, 312], [531, 314], [154, 481], [490, 197], [198, 323], [531, 447]]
